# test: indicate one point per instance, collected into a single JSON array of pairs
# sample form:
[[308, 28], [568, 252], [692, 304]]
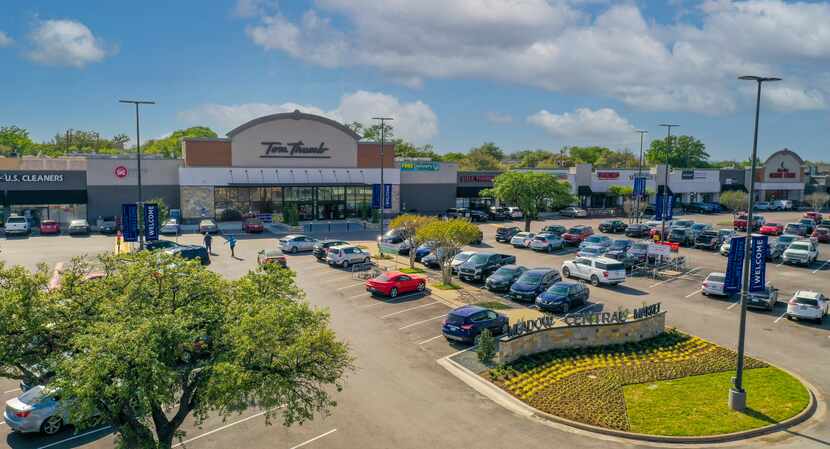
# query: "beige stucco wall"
[[195, 199], [580, 337], [247, 147], [782, 160], [154, 172]]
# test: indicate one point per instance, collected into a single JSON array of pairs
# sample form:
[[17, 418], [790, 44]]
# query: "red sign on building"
[[608, 174], [782, 173], [120, 171]]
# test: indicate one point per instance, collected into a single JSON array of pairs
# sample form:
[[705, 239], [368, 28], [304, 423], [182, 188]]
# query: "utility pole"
[[737, 394], [639, 176], [138, 160], [382, 121], [666, 201]]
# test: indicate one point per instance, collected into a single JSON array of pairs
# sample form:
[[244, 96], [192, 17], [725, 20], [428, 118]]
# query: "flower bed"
[[586, 385]]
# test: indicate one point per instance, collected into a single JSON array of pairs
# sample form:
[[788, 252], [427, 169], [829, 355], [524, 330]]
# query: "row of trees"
[[155, 339]]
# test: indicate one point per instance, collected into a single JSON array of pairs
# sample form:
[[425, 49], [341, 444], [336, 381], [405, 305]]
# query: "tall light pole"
[[737, 395], [138, 158], [639, 175], [382, 121], [666, 201]]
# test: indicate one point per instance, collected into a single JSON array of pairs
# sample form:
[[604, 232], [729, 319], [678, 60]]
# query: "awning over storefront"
[[37, 197], [584, 191], [733, 188]]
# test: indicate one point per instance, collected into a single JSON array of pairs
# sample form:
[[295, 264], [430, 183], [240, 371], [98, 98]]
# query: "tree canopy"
[[171, 146], [410, 224], [531, 192], [448, 236], [686, 152]]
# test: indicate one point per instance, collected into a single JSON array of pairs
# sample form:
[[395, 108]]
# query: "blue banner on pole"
[[734, 265], [658, 207], [387, 196], [129, 222], [639, 186], [668, 211], [375, 196], [758, 263], [151, 221]]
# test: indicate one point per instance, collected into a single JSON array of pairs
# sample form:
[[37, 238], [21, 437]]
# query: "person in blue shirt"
[[231, 241]]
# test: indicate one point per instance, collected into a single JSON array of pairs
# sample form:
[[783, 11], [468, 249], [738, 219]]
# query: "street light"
[[666, 201], [383, 121], [138, 158], [737, 395], [639, 175]]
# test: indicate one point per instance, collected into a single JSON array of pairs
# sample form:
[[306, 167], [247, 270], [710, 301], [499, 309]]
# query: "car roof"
[[293, 236], [466, 311], [343, 246], [512, 266], [716, 273], [331, 240], [808, 294], [540, 270], [567, 283]]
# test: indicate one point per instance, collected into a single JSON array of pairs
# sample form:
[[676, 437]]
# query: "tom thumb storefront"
[[43, 194]]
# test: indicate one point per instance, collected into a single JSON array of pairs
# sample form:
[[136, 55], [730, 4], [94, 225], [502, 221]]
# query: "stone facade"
[[562, 337], [195, 200]]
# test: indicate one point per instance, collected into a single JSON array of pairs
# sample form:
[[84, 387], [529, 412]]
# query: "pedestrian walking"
[[231, 241], [208, 240]]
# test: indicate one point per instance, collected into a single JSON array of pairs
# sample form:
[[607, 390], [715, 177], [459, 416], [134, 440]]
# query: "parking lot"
[[400, 397]]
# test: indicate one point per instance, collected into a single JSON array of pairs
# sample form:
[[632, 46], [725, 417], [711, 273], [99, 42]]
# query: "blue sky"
[[454, 73]]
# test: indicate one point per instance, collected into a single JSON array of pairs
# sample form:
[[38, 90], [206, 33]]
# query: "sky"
[[524, 74]]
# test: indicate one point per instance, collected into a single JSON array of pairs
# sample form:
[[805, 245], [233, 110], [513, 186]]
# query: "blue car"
[[618, 249], [422, 251], [532, 283], [600, 241], [466, 323], [563, 297]]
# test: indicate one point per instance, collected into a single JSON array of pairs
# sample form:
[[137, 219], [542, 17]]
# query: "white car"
[[522, 239], [801, 252], [762, 205], [807, 305], [713, 284], [296, 243], [16, 224], [169, 227], [597, 270], [547, 242], [346, 255], [460, 258], [724, 247], [515, 212], [591, 251]]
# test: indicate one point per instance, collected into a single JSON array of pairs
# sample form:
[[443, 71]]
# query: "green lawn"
[[443, 286], [493, 305], [698, 405], [412, 271]]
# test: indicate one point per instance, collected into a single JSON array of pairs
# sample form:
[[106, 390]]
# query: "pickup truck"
[[482, 265], [801, 252], [739, 223]]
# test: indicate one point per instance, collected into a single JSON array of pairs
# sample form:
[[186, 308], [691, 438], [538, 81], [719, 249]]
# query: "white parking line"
[[694, 293], [822, 266], [375, 304], [779, 318], [219, 429], [411, 308], [11, 391], [314, 439], [2, 422], [358, 296], [75, 437], [349, 286], [431, 339], [422, 322], [733, 305]]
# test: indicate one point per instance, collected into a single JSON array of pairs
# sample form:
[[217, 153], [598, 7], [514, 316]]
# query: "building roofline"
[[785, 151], [206, 139], [296, 115]]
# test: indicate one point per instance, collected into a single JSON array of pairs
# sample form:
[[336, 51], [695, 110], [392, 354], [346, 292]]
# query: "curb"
[[504, 399]]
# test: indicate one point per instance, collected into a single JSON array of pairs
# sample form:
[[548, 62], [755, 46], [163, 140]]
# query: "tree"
[[531, 159], [624, 192], [449, 236], [817, 199], [409, 225], [15, 139], [478, 159], [170, 339], [588, 155], [406, 149], [686, 152], [171, 146], [487, 346], [618, 159], [735, 200], [490, 149], [531, 192], [453, 157]]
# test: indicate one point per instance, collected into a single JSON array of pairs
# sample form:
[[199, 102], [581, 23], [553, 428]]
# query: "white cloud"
[[65, 43], [499, 119], [413, 121], [601, 125], [560, 45], [788, 98], [5, 40]]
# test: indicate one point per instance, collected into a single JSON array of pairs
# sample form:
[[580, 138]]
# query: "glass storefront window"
[[321, 203]]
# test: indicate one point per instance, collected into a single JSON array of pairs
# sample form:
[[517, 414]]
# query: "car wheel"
[[294, 250], [394, 292], [504, 329], [345, 264], [550, 248], [565, 308], [594, 281], [422, 286], [52, 425], [789, 317], [566, 272], [366, 260]]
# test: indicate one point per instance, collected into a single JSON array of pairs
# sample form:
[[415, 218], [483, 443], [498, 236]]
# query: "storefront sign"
[[151, 221], [120, 171], [36, 178], [129, 222], [296, 150], [476, 179], [582, 319], [692, 174], [782, 173], [608, 175], [419, 166]]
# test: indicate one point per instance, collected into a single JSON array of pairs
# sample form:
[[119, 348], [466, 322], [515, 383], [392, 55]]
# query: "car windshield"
[[683, 223], [77, 222], [698, 226], [716, 278], [800, 246], [619, 244], [610, 266], [478, 258], [574, 230], [461, 257], [33, 396], [806, 301], [16, 220], [640, 246], [596, 239], [591, 250], [455, 319], [530, 278], [678, 232], [171, 221], [559, 289], [786, 239], [806, 221], [254, 221]]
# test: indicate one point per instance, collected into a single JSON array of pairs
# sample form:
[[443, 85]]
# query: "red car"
[[772, 229], [253, 226], [393, 283], [822, 235], [814, 215], [50, 227], [577, 234], [739, 223]]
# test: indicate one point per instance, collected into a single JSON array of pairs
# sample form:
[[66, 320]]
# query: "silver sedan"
[[36, 410]]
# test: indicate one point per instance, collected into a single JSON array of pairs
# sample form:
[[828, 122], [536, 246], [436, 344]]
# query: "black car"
[[481, 265], [554, 229], [618, 249], [320, 249], [504, 234], [533, 282], [160, 244], [108, 226], [637, 230], [478, 216], [192, 252], [708, 240], [563, 297], [612, 226], [504, 277], [457, 212], [499, 213]]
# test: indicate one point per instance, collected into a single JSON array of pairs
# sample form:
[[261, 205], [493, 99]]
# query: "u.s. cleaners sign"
[[37, 178]]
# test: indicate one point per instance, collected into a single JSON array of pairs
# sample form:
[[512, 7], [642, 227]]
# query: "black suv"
[[321, 248], [505, 234], [481, 265], [612, 226], [478, 216], [499, 213], [554, 229], [708, 240], [637, 230]]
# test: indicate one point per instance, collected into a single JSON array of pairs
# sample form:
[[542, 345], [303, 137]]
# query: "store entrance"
[[306, 211]]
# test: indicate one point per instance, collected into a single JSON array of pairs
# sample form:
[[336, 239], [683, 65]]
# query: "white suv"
[[803, 252], [295, 243], [598, 270], [346, 255], [807, 305], [16, 224]]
